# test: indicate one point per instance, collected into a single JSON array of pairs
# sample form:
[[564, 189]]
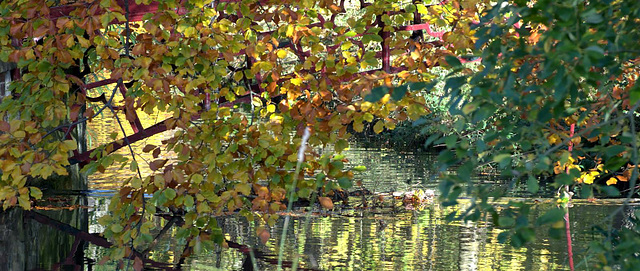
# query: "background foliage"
[[555, 100]]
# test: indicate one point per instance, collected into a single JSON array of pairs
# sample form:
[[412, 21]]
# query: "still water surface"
[[363, 239]]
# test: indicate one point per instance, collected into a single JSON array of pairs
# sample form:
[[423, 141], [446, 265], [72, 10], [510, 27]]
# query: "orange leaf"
[[264, 235], [4, 126], [137, 264], [74, 112], [61, 22], [326, 202]]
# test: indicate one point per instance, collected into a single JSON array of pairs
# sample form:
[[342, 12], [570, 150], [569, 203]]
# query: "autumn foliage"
[[241, 81]]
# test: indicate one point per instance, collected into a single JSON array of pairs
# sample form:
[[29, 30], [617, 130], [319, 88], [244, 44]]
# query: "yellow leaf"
[[271, 108], [368, 117], [282, 53], [385, 99], [19, 134], [243, 188], [378, 127], [46, 171], [57, 157], [238, 76], [290, 30], [554, 139], [468, 108], [358, 126], [35, 192], [70, 145], [14, 124], [23, 201], [136, 183], [612, 180], [390, 125], [365, 106], [296, 81]]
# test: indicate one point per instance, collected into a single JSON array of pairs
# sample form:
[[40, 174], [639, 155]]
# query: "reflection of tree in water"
[[389, 170], [417, 240], [26, 243]]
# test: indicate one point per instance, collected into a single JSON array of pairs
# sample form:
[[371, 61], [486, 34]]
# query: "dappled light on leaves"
[[238, 82]]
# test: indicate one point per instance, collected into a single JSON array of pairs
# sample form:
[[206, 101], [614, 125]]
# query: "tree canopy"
[[553, 97], [242, 80]]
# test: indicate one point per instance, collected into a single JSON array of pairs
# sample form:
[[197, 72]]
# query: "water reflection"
[[44, 239], [391, 239], [390, 171], [104, 129], [351, 239], [405, 240]]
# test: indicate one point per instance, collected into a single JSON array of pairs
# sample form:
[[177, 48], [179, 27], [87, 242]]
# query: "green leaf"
[[116, 228], [634, 94], [431, 139], [532, 185], [43, 66], [586, 191], [595, 50], [614, 150], [376, 94], [451, 141], [35, 192], [591, 17], [360, 168], [611, 191], [453, 61], [344, 182], [341, 145], [170, 193], [454, 83], [501, 157], [564, 179], [351, 34], [551, 216], [506, 221], [399, 92], [523, 236]]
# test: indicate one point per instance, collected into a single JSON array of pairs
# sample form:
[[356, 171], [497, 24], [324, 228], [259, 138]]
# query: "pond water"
[[385, 238]]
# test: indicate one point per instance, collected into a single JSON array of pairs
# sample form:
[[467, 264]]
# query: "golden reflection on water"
[[368, 240], [100, 130], [417, 240]]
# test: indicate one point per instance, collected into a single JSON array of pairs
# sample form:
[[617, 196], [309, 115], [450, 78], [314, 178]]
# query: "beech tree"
[[243, 81]]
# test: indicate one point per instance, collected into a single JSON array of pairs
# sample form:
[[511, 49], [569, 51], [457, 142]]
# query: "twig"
[[283, 238], [164, 230], [91, 238], [107, 104], [133, 156]]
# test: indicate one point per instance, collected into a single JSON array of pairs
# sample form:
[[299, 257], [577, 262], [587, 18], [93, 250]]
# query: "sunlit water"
[[364, 239]]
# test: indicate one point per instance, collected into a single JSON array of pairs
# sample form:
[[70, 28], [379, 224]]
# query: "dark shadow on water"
[[28, 244]]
